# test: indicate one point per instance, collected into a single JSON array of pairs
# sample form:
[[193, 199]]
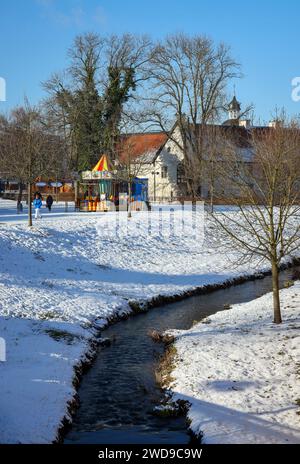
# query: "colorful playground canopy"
[[102, 165]]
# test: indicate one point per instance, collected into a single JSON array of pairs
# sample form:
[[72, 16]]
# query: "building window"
[[164, 172], [180, 174]]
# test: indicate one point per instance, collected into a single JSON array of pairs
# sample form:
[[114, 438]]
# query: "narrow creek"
[[119, 392]]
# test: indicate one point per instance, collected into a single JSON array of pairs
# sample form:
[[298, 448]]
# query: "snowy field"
[[67, 276], [241, 373]]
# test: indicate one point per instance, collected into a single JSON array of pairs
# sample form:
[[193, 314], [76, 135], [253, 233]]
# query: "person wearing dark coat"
[[49, 202]]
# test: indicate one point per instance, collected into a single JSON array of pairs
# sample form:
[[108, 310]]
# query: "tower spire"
[[234, 108]]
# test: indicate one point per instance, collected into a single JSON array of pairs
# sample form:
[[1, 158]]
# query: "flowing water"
[[119, 392]]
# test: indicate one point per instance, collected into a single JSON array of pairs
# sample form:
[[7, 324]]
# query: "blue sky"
[[264, 37]]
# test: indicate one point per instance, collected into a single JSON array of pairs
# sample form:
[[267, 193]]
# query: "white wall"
[[163, 189]]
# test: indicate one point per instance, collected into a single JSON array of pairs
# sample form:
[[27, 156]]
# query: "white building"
[[159, 159]]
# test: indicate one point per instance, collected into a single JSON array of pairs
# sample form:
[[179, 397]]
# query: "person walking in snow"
[[49, 202], [37, 203], [19, 207]]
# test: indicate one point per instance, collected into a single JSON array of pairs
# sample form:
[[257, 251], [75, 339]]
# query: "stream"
[[119, 392]]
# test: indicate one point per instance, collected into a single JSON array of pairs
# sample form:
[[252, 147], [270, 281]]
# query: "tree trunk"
[[211, 198], [76, 188], [20, 192], [276, 300], [129, 200], [29, 205]]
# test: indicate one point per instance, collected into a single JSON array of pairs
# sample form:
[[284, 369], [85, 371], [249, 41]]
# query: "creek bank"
[[143, 308], [247, 389]]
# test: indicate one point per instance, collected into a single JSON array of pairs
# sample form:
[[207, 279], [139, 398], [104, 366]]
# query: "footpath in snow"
[[241, 373], [69, 275]]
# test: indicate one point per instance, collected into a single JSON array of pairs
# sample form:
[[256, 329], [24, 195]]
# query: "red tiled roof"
[[136, 145]]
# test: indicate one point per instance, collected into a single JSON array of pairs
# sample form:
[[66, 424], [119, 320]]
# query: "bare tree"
[[213, 141], [189, 79], [265, 190], [29, 149]]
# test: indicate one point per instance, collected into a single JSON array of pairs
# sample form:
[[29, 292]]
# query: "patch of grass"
[[172, 409], [227, 306], [62, 335], [155, 335], [160, 337], [166, 411], [136, 307], [297, 401], [166, 366]]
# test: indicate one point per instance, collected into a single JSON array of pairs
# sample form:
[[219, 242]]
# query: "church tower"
[[234, 109]]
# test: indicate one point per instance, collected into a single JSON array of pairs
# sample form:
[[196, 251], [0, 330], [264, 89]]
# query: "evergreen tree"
[[121, 83]]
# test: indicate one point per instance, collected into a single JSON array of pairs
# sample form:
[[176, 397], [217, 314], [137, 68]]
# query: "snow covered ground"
[[36, 380], [241, 373], [9, 214], [71, 273]]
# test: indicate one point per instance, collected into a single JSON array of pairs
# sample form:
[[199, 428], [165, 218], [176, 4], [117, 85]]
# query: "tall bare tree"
[[265, 190], [212, 145], [189, 79]]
